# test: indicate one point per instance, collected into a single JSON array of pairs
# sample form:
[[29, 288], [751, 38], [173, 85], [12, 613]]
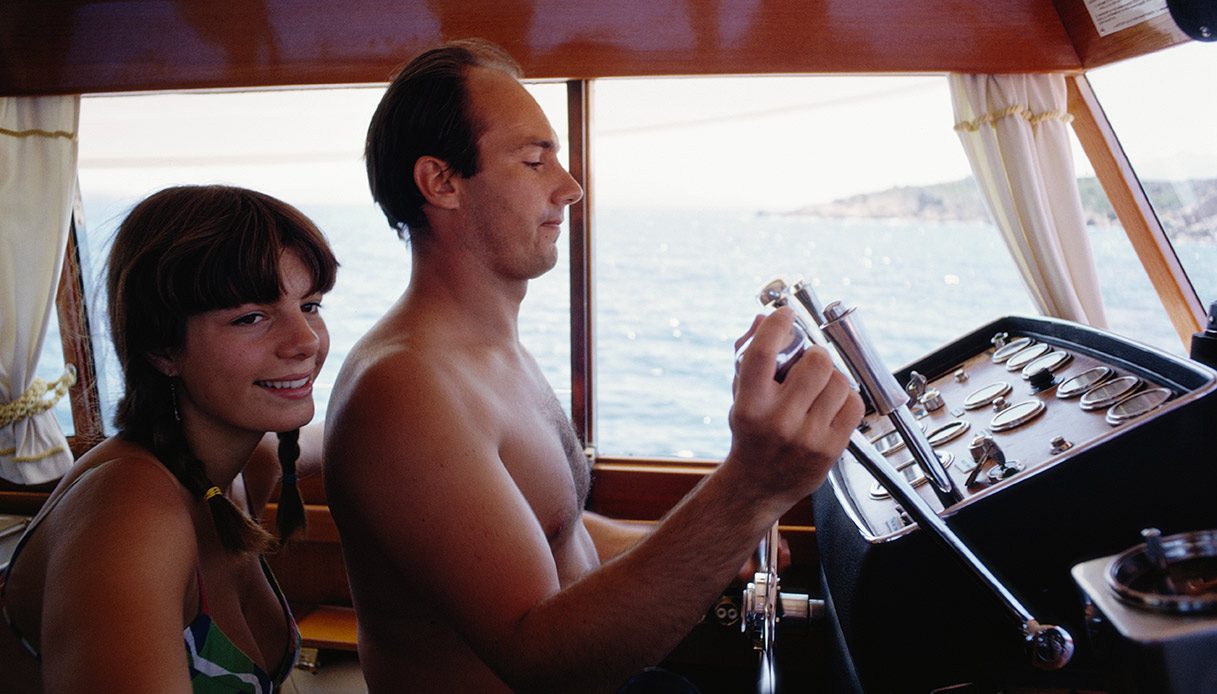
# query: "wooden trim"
[[91, 46], [1094, 50], [328, 626], [1133, 208], [20, 500], [637, 490], [646, 491], [319, 523], [76, 338], [582, 277]]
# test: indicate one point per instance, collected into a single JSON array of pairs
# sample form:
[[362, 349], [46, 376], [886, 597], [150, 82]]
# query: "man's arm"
[[407, 457], [263, 472], [612, 536]]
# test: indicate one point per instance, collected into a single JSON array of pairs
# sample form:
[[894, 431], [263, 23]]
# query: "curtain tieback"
[[1020, 111], [31, 401]]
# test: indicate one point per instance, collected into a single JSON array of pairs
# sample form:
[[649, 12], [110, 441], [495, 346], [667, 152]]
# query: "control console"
[[1061, 442]]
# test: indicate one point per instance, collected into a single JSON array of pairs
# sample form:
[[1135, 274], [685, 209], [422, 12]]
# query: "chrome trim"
[[1084, 382]]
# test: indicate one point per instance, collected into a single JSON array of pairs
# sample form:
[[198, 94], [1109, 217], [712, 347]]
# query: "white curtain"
[[38, 147], [1013, 128]]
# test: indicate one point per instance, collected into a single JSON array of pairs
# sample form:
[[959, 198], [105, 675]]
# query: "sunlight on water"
[[676, 289]]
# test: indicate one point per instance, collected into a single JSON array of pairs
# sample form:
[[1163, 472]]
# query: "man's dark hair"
[[426, 112]]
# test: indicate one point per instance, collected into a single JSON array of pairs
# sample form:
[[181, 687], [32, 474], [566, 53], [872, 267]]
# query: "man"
[[454, 476]]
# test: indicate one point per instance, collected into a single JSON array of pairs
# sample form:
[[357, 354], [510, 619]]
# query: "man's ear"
[[162, 362], [434, 180]]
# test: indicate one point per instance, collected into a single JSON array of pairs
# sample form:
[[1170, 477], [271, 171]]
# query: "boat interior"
[[991, 527]]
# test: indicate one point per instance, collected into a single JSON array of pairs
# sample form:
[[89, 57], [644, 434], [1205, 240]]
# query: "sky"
[[770, 143]]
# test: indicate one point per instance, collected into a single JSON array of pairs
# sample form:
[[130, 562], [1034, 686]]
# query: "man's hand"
[[789, 434]]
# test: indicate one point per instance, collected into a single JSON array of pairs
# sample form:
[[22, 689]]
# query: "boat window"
[[305, 147], [706, 188], [1162, 107]]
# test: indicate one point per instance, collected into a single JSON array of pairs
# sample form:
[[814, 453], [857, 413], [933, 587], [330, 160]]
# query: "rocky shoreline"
[[1187, 210]]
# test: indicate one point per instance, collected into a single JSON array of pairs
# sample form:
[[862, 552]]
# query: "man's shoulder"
[[394, 387], [388, 359]]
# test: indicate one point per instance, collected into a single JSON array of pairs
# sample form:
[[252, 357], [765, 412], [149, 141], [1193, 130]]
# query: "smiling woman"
[[213, 300]]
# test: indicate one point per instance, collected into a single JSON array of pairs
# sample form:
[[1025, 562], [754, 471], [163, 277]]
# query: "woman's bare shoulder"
[[123, 483]]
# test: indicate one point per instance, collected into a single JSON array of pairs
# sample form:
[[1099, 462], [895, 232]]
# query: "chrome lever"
[[765, 606], [837, 325], [1050, 647]]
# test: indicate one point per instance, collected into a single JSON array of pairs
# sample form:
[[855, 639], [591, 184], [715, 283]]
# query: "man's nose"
[[570, 192]]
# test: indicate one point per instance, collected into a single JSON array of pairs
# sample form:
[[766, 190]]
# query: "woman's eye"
[[247, 319], [311, 307], [533, 164]]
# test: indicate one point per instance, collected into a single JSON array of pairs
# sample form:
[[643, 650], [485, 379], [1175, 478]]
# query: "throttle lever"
[[837, 326], [1050, 646]]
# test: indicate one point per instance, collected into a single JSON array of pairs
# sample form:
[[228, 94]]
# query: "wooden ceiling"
[[87, 46]]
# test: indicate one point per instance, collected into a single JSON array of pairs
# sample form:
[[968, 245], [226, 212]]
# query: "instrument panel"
[[1065, 442], [1037, 401]]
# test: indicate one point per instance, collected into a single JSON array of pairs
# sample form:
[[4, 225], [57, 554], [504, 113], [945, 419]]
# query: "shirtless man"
[[456, 480]]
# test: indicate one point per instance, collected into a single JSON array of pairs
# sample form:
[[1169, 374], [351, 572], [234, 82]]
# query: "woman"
[[143, 571]]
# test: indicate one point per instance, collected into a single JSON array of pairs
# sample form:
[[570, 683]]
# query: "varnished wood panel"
[[645, 491], [82, 46], [582, 267], [1094, 50], [312, 573], [1134, 210], [328, 626], [75, 339]]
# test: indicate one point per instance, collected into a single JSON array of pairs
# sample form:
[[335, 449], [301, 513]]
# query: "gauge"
[[984, 396], [912, 474], [1017, 415], [1111, 392], [1053, 361], [1027, 355], [1084, 381], [947, 432], [1136, 405], [1008, 350]]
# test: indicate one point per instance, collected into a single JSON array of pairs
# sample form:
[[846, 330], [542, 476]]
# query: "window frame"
[[621, 481]]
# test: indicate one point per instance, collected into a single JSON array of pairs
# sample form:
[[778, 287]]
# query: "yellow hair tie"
[[214, 491]]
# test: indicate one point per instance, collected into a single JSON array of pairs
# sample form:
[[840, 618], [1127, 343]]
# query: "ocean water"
[[675, 288]]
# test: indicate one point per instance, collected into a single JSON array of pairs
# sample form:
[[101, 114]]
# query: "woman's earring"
[[173, 396]]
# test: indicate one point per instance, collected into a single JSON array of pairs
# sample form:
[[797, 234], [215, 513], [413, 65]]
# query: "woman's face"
[[251, 368]]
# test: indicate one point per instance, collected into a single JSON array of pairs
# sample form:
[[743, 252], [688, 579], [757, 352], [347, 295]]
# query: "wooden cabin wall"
[[1095, 51], [89, 46]]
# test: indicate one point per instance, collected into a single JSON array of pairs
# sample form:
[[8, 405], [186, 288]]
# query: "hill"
[[1187, 209]]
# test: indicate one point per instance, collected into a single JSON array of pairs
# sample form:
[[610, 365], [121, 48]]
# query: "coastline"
[[1191, 220]]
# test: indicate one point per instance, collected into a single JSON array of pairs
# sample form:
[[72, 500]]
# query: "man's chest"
[[543, 455]]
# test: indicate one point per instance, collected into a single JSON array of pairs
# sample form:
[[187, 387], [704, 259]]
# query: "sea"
[[675, 288]]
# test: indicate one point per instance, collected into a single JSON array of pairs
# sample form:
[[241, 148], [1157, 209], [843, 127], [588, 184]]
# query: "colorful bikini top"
[[216, 665]]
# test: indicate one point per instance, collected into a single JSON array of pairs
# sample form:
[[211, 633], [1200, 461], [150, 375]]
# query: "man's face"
[[514, 206]]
